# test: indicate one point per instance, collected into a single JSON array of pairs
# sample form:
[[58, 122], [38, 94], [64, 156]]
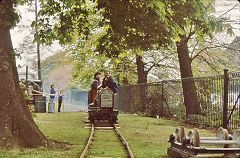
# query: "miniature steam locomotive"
[[103, 107]]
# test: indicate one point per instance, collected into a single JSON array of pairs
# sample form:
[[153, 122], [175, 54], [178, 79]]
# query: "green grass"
[[106, 144], [147, 137], [64, 127]]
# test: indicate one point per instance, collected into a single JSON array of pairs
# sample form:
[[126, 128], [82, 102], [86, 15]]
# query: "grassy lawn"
[[106, 144], [147, 137], [65, 127]]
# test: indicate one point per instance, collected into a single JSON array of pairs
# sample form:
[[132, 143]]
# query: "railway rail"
[[100, 136]]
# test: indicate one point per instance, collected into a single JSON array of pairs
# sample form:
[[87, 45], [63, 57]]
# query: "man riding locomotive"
[[98, 84], [101, 99]]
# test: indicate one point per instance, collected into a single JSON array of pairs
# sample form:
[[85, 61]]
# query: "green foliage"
[[124, 68], [8, 15], [87, 61], [122, 27], [101, 31], [133, 24], [204, 121], [85, 69], [63, 20], [88, 64], [32, 111], [27, 97], [137, 24]]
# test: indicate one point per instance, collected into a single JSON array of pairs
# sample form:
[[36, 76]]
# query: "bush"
[[27, 98]]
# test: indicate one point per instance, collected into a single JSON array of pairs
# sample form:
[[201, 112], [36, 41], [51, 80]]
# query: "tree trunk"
[[16, 124], [142, 75], [189, 89], [142, 80], [125, 81]]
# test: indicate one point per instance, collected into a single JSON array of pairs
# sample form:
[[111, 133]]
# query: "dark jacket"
[[110, 83], [36, 87], [95, 84]]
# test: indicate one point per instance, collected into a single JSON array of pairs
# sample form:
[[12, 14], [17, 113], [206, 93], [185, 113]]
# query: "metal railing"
[[217, 96]]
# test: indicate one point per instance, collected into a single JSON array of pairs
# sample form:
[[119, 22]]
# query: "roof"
[[31, 76]]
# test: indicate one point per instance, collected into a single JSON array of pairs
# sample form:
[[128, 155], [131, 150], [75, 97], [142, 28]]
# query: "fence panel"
[[165, 99], [233, 100], [210, 98]]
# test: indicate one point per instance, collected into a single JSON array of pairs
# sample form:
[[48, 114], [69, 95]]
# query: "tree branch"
[[228, 11], [190, 33]]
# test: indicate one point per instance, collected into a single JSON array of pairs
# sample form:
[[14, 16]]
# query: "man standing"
[[60, 98], [51, 99], [109, 82], [35, 88], [97, 82], [95, 86], [36, 92]]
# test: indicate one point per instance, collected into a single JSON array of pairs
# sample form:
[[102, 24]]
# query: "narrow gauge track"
[[106, 139]]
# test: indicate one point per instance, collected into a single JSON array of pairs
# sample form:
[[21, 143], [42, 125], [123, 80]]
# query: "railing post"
[[225, 98], [161, 114]]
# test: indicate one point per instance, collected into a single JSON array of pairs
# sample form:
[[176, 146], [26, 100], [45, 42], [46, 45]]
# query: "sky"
[[229, 9], [23, 29]]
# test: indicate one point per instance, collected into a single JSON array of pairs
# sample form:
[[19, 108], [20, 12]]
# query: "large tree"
[[147, 24], [16, 123], [134, 25]]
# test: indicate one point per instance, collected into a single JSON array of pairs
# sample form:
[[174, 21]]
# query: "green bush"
[[27, 97]]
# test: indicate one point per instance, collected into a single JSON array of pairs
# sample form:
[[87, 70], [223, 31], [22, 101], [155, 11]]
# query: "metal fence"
[[233, 106], [217, 96]]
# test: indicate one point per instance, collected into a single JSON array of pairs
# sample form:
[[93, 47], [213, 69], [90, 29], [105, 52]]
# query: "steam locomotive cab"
[[103, 108]]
